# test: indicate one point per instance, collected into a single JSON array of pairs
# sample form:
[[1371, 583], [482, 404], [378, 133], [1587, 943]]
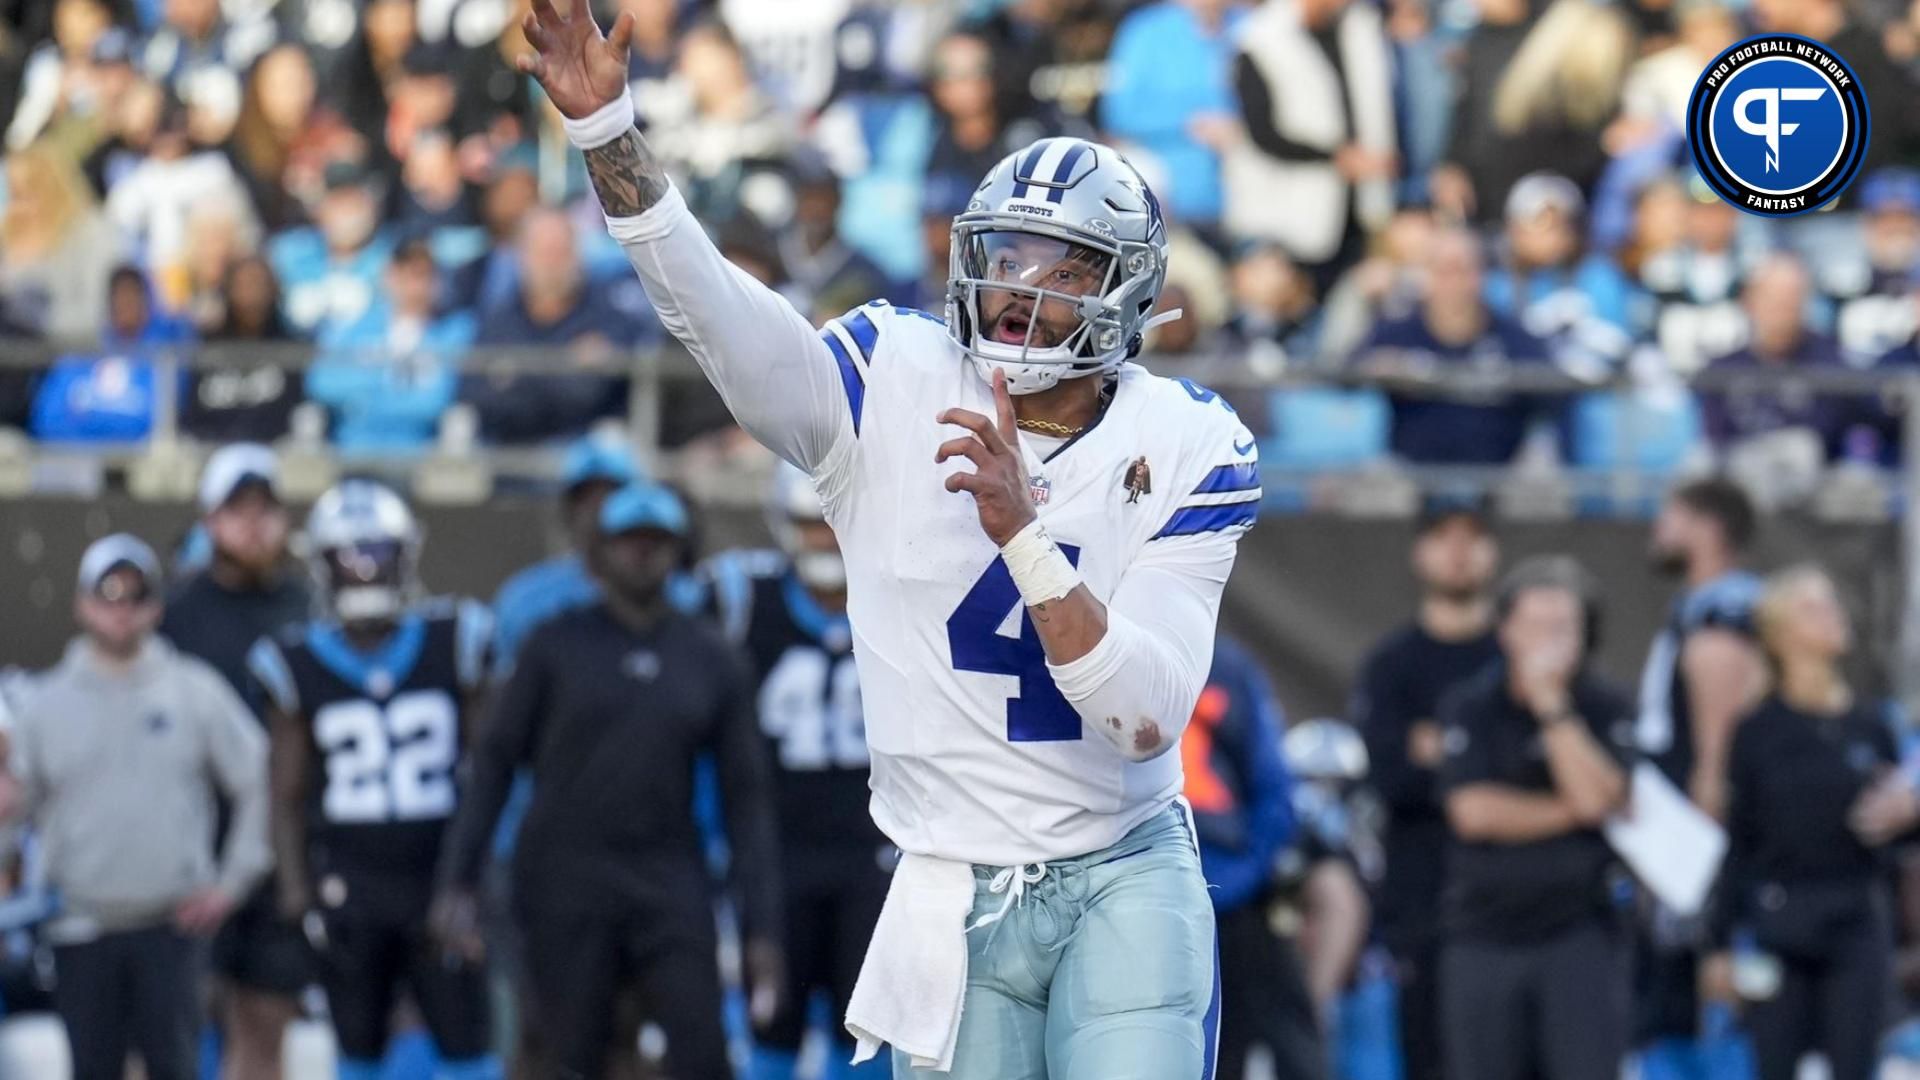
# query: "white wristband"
[[603, 125], [1040, 570]]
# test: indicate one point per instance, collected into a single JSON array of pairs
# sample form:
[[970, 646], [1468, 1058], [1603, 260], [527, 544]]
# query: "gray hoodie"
[[120, 771]]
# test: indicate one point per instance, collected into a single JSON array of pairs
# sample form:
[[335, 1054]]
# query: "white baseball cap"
[[234, 467], [110, 553], [1538, 192]]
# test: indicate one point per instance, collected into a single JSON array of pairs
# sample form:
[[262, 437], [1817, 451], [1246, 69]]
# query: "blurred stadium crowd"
[[1386, 191], [1432, 232]]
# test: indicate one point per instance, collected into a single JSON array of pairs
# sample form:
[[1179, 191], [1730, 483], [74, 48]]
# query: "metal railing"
[[650, 372]]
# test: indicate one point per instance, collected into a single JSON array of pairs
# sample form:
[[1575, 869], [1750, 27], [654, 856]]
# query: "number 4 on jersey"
[[1038, 713]]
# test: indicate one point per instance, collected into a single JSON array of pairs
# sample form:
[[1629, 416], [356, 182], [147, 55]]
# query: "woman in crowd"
[[1816, 795], [275, 117], [249, 308], [728, 128], [1539, 82], [242, 395], [219, 234], [56, 248], [361, 84]]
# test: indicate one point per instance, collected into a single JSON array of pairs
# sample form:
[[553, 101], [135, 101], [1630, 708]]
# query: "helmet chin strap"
[[1022, 379], [1162, 319]]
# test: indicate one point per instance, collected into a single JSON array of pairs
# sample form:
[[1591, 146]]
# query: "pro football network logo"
[[1778, 125]]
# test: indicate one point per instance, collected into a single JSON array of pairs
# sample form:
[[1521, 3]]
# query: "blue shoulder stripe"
[[1727, 602], [865, 334], [1243, 476], [1201, 519], [269, 669], [473, 642], [850, 377]]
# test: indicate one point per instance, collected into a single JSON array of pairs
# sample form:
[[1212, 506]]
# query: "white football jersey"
[[977, 756]]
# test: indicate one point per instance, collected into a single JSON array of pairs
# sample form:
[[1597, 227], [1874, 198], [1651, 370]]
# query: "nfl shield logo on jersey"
[[1040, 488]]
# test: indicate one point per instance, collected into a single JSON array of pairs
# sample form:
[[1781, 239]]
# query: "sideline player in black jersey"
[[367, 705], [788, 609], [611, 706], [1703, 673]]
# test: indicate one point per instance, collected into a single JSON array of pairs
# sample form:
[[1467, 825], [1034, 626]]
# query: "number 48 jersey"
[[808, 700], [385, 730], [976, 754]]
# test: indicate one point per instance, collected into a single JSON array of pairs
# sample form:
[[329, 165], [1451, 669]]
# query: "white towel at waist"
[[914, 980]]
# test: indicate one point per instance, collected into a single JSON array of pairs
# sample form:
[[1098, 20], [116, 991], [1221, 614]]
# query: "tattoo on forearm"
[[626, 175], [1040, 613]]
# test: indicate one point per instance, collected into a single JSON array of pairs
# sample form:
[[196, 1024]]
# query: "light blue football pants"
[[1105, 969]]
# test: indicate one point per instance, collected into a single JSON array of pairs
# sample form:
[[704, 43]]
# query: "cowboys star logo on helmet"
[[1778, 125]]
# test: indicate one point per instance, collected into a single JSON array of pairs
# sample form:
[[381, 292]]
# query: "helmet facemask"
[[368, 581], [1042, 303]]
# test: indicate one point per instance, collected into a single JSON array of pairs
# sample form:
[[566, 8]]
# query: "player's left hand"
[[454, 921], [766, 975], [1884, 811], [203, 912], [1000, 489], [1545, 669]]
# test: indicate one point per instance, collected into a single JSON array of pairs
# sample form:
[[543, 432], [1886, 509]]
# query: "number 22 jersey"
[[386, 735]]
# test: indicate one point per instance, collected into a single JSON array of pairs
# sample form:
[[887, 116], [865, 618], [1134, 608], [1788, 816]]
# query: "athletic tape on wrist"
[[1040, 569], [603, 125]]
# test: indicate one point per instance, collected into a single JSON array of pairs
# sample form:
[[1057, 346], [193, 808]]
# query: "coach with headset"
[[1534, 969]]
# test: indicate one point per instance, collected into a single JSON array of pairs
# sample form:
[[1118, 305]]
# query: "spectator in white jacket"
[[117, 757], [1315, 81]]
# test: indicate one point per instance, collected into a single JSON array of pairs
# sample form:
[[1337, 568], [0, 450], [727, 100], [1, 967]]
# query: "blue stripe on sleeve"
[[473, 635], [1244, 476], [849, 375], [865, 334], [268, 666], [1201, 519]]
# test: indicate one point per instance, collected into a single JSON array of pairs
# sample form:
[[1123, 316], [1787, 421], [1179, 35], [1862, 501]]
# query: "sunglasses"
[[115, 590]]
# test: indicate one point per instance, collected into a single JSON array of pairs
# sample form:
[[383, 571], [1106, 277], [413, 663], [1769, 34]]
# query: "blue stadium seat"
[[1627, 430], [1324, 428]]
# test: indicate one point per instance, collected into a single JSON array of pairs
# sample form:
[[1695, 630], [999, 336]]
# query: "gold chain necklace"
[[1048, 427]]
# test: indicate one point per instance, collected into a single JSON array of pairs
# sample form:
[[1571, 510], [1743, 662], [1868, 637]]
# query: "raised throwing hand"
[[580, 68]]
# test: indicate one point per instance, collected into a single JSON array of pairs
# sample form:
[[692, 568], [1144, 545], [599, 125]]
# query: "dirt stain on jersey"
[[1147, 738]]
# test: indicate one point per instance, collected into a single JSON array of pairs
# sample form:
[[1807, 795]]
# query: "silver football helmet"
[[1326, 750], [364, 546], [1065, 225], [791, 503]]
